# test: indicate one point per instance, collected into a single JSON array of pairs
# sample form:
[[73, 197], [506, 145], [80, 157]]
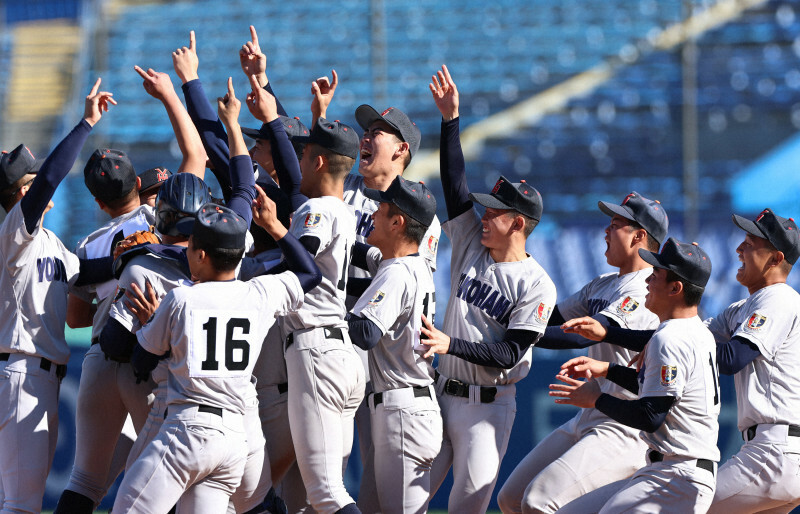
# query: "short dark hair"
[[692, 294], [126, 198], [8, 194], [530, 223], [652, 244], [415, 230], [338, 165], [223, 259]]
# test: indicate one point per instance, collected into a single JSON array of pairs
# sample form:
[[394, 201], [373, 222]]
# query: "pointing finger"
[[335, 79], [254, 84], [253, 35], [141, 72], [231, 95], [191, 41], [95, 87]]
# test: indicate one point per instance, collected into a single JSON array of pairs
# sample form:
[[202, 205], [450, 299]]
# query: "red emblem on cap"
[[497, 186], [631, 195], [161, 175], [387, 110]]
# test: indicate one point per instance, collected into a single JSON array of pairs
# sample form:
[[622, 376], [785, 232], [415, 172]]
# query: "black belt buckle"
[[210, 410], [455, 387], [333, 333], [488, 394], [706, 465]]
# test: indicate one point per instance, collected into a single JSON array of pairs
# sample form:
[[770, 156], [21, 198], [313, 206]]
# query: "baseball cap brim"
[[377, 195], [748, 226], [654, 259], [488, 200], [612, 209], [152, 188], [367, 115], [253, 133]]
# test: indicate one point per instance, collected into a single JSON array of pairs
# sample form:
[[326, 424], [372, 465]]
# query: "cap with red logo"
[[517, 196], [649, 214], [395, 118], [687, 260], [780, 232], [152, 179]]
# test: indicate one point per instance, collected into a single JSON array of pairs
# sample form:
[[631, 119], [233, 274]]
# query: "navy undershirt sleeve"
[[453, 170], [116, 341], [634, 340], [95, 271], [281, 110], [212, 132], [243, 190], [624, 376], [286, 165], [646, 414], [310, 243], [358, 257], [357, 286], [734, 355], [50, 175], [143, 362], [556, 339], [300, 262], [502, 354], [364, 332], [556, 319]]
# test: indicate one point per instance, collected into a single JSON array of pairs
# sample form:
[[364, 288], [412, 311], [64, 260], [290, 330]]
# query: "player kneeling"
[[212, 333], [678, 392]]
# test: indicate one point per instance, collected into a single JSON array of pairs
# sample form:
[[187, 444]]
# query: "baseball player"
[[37, 273], [213, 346], [500, 302], [386, 320], [677, 388], [151, 181], [557, 470]]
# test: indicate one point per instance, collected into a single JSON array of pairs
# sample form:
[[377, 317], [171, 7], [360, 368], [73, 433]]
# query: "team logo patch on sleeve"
[[668, 375], [627, 306], [380, 295], [542, 313], [312, 220], [433, 244], [755, 321]]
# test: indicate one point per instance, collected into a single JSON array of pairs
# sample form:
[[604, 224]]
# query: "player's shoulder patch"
[[669, 374], [312, 220], [542, 312], [433, 244], [627, 306], [380, 295], [755, 321]]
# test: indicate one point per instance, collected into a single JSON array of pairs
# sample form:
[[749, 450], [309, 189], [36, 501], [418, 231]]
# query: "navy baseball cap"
[[649, 214], [781, 232], [517, 196], [16, 164], [413, 198], [395, 118], [215, 225], [153, 178], [294, 128], [336, 137], [686, 260], [109, 174]]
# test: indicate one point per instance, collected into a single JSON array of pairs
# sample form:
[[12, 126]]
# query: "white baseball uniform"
[[364, 208], [214, 332], [406, 421], [680, 361], [590, 450], [36, 276], [325, 375], [107, 392], [486, 299], [764, 475]]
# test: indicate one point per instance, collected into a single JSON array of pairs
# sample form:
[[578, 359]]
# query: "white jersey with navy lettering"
[[767, 389], [37, 273], [487, 298], [401, 292], [214, 331], [619, 298], [101, 243], [332, 222], [681, 361]]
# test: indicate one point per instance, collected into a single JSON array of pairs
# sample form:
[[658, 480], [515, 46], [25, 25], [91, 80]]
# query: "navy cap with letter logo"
[[517, 196], [780, 232], [109, 174], [688, 261], [153, 178], [413, 198], [215, 225], [649, 214], [16, 164], [395, 118], [336, 137]]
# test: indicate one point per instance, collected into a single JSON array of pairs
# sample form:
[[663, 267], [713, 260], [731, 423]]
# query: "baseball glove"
[[140, 237]]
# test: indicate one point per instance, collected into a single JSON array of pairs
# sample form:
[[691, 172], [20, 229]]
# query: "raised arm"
[[61, 159], [241, 167], [254, 62], [451, 157], [323, 90], [159, 86]]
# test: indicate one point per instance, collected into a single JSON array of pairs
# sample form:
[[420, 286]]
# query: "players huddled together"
[[233, 356]]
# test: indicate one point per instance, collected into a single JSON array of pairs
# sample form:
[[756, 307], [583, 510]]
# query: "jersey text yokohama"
[[36, 276], [487, 298], [401, 292], [680, 361], [767, 389]]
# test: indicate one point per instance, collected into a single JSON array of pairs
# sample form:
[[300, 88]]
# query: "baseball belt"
[[45, 364], [202, 408], [656, 456], [794, 431], [419, 392], [330, 333], [458, 388]]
